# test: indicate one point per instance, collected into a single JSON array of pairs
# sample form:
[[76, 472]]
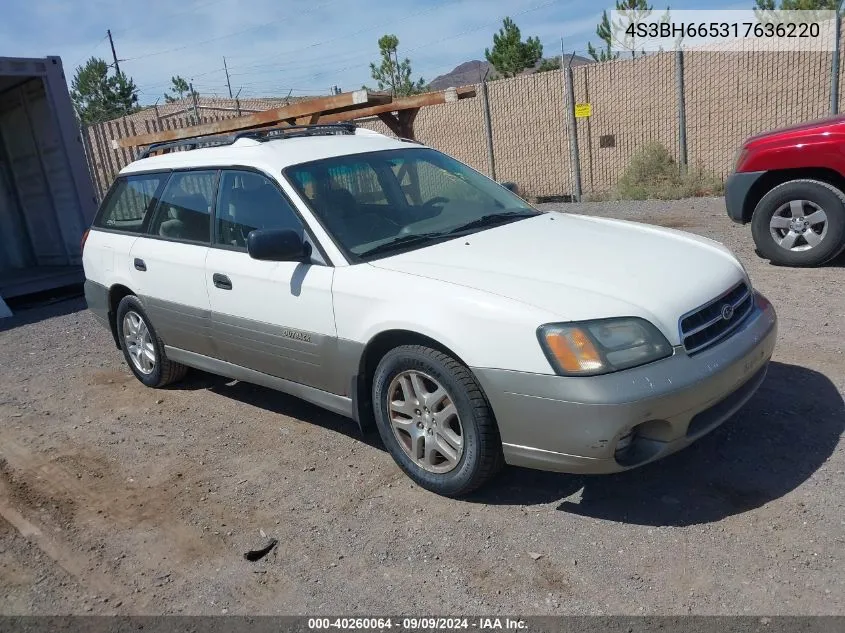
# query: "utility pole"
[[834, 74], [226, 68], [488, 127], [682, 110], [574, 156], [194, 98], [113, 54]]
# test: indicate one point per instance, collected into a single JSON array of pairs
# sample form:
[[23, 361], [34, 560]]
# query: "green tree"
[[799, 5], [510, 55], [391, 74], [98, 97], [179, 87], [606, 36], [763, 8], [549, 64], [610, 33]]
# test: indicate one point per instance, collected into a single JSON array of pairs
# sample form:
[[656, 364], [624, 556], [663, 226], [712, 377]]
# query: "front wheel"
[[435, 421], [800, 223]]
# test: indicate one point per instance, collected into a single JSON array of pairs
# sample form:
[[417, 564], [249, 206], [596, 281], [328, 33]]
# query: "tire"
[[479, 455], [800, 199], [163, 371]]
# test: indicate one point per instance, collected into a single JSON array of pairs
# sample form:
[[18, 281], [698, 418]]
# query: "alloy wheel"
[[139, 342], [425, 421], [798, 225]]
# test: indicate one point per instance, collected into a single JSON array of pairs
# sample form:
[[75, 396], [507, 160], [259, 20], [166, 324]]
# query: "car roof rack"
[[260, 134], [290, 131]]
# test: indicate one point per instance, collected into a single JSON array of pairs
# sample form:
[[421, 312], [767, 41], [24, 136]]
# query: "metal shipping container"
[[46, 197]]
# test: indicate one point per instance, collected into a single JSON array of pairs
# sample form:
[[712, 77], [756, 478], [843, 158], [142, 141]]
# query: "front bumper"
[[575, 425], [737, 187]]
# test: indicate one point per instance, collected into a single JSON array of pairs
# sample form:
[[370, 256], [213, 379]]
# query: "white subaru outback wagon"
[[390, 283]]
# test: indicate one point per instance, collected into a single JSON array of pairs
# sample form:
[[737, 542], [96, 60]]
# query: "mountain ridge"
[[472, 72]]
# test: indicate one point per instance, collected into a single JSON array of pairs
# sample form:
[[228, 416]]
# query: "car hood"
[[808, 127], [581, 267]]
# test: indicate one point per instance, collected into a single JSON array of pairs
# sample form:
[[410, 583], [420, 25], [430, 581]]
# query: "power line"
[[426, 44], [167, 16], [81, 59], [537, 7], [346, 35], [317, 63], [166, 84], [223, 37], [314, 63]]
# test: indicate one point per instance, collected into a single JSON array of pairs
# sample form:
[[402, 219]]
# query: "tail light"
[[84, 239]]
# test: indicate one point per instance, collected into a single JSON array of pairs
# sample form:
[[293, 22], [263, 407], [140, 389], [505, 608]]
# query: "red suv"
[[789, 185]]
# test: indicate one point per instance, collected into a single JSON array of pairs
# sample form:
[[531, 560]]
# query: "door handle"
[[222, 281], [140, 264]]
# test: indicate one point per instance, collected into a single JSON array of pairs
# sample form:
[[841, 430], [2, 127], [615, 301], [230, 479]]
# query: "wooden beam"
[[406, 122], [391, 121], [401, 123], [403, 103], [333, 104]]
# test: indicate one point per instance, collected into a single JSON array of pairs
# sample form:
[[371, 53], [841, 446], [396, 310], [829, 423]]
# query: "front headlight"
[[588, 348]]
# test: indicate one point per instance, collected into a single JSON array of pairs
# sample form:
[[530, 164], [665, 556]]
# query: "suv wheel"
[[142, 348], [435, 421], [800, 223]]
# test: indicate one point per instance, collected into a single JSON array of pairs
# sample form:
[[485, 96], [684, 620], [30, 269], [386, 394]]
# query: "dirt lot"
[[120, 499]]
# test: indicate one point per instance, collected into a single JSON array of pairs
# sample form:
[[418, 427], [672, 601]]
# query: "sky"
[[277, 47]]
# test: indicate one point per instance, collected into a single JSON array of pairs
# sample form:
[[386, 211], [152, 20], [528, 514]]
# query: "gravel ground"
[[115, 498]]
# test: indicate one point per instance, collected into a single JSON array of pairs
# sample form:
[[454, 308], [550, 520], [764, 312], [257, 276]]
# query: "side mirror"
[[277, 245], [511, 186]]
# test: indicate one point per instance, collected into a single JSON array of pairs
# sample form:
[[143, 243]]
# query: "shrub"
[[654, 174]]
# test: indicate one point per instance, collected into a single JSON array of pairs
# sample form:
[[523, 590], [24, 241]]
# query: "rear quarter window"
[[130, 201]]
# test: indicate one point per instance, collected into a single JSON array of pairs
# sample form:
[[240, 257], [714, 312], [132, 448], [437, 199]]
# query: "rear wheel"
[[435, 421], [800, 223], [142, 348]]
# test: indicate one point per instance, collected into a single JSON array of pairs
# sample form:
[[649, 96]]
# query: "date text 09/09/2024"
[[417, 623]]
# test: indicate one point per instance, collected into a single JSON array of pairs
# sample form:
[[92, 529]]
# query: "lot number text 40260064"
[[417, 623]]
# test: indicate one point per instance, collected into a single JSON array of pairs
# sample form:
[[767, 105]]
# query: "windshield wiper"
[[405, 240], [492, 219]]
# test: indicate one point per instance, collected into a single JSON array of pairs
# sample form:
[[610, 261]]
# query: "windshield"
[[381, 203]]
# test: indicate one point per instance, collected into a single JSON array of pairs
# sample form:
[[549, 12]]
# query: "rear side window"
[[184, 212], [130, 201]]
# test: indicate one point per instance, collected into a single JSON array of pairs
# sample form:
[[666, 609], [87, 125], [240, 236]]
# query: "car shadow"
[[836, 262], [277, 402], [770, 447], [775, 443]]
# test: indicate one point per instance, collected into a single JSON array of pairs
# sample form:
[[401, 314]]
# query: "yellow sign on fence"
[[583, 110]]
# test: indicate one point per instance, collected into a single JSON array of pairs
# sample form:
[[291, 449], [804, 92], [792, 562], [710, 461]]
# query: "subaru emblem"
[[727, 311]]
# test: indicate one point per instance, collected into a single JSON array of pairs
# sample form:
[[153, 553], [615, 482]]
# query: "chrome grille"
[[708, 324]]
